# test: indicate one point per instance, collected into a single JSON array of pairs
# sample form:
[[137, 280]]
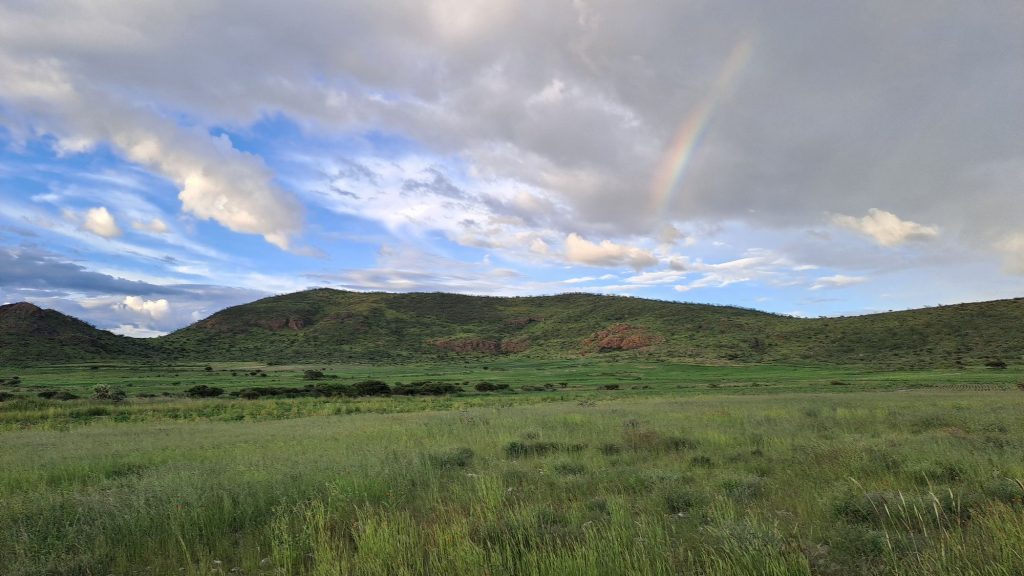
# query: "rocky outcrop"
[[620, 337]]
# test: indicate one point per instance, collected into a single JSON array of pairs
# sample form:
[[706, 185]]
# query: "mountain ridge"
[[322, 325]]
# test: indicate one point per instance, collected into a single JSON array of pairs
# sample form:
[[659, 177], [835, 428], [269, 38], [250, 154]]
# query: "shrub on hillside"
[[372, 388], [313, 375], [489, 387], [4, 396], [425, 388], [204, 391], [996, 364], [106, 392]]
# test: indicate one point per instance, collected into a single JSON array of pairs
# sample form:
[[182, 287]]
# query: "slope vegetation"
[[326, 325]]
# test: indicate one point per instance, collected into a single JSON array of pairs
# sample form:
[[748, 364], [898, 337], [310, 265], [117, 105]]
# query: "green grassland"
[[329, 433], [680, 470]]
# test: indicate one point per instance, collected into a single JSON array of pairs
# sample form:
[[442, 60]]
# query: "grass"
[[888, 473]]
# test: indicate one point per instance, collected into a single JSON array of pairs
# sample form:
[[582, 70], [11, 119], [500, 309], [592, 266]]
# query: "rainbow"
[[672, 168]]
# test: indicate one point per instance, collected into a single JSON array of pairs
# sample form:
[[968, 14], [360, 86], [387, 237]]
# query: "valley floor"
[[810, 471]]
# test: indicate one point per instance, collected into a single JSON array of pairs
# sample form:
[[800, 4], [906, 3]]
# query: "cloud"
[[106, 301], [1012, 247], [606, 253], [659, 277], [154, 226], [101, 223], [155, 309], [586, 279], [408, 269], [886, 228], [837, 281], [217, 181], [758, 265], [136, 331]]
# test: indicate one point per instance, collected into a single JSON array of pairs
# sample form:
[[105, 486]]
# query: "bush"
[[204, 391], [313, 375], [425, 388], [4, 396], [610, 387], [489, 387], [996, 364], [105, 392], [372, 388]]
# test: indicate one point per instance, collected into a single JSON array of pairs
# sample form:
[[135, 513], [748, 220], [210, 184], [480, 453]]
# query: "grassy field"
[[682, 470]]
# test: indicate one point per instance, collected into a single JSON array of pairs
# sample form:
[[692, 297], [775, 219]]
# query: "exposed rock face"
[[620, 337]]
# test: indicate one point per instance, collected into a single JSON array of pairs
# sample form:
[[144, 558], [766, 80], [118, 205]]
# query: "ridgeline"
[[325, 325]]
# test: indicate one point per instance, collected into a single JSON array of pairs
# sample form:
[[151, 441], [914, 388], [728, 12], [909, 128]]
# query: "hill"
[[327, 325], [336, 325], [29, 334]]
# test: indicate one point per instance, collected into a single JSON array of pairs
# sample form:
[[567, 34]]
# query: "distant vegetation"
[[335, 326]]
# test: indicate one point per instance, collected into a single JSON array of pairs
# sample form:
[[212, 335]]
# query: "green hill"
[[330, 325], [31, 335]]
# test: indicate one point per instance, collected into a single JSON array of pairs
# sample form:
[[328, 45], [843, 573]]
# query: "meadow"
[[672, 469]]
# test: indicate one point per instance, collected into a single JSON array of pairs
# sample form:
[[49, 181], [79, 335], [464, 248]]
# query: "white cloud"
[[155, 309], [137, 331], [217, 181], [886, 228], [659, 277], [155, 226], [837, 281], [758, 265], [585, 279], [606, 253], [1012, 247], [100, 222]]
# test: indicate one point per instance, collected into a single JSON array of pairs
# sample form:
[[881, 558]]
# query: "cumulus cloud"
[[100, 222], [155, 309], [885, 228], [837, 281], [216, 181], [580, 100], [579, 250]]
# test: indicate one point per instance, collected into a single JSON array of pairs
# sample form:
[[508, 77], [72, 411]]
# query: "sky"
[[160, 161]]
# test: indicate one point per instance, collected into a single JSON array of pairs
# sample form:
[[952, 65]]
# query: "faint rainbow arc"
[[672, 169]]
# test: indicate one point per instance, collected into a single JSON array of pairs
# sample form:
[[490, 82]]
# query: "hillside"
[[349, 326], [29, 334], [326, 325]]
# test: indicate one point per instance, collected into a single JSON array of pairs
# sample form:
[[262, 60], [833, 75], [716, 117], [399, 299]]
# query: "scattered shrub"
[[996, 364], [313, 375], [489, 387], [839, 383], [106, 392], [424, 388], [208, 368], [610, 449], [526, 449], [204, 391], [372, 388], [4, 396], [610, 387]]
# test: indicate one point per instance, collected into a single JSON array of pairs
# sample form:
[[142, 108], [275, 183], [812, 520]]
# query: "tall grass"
[[855, 483]]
